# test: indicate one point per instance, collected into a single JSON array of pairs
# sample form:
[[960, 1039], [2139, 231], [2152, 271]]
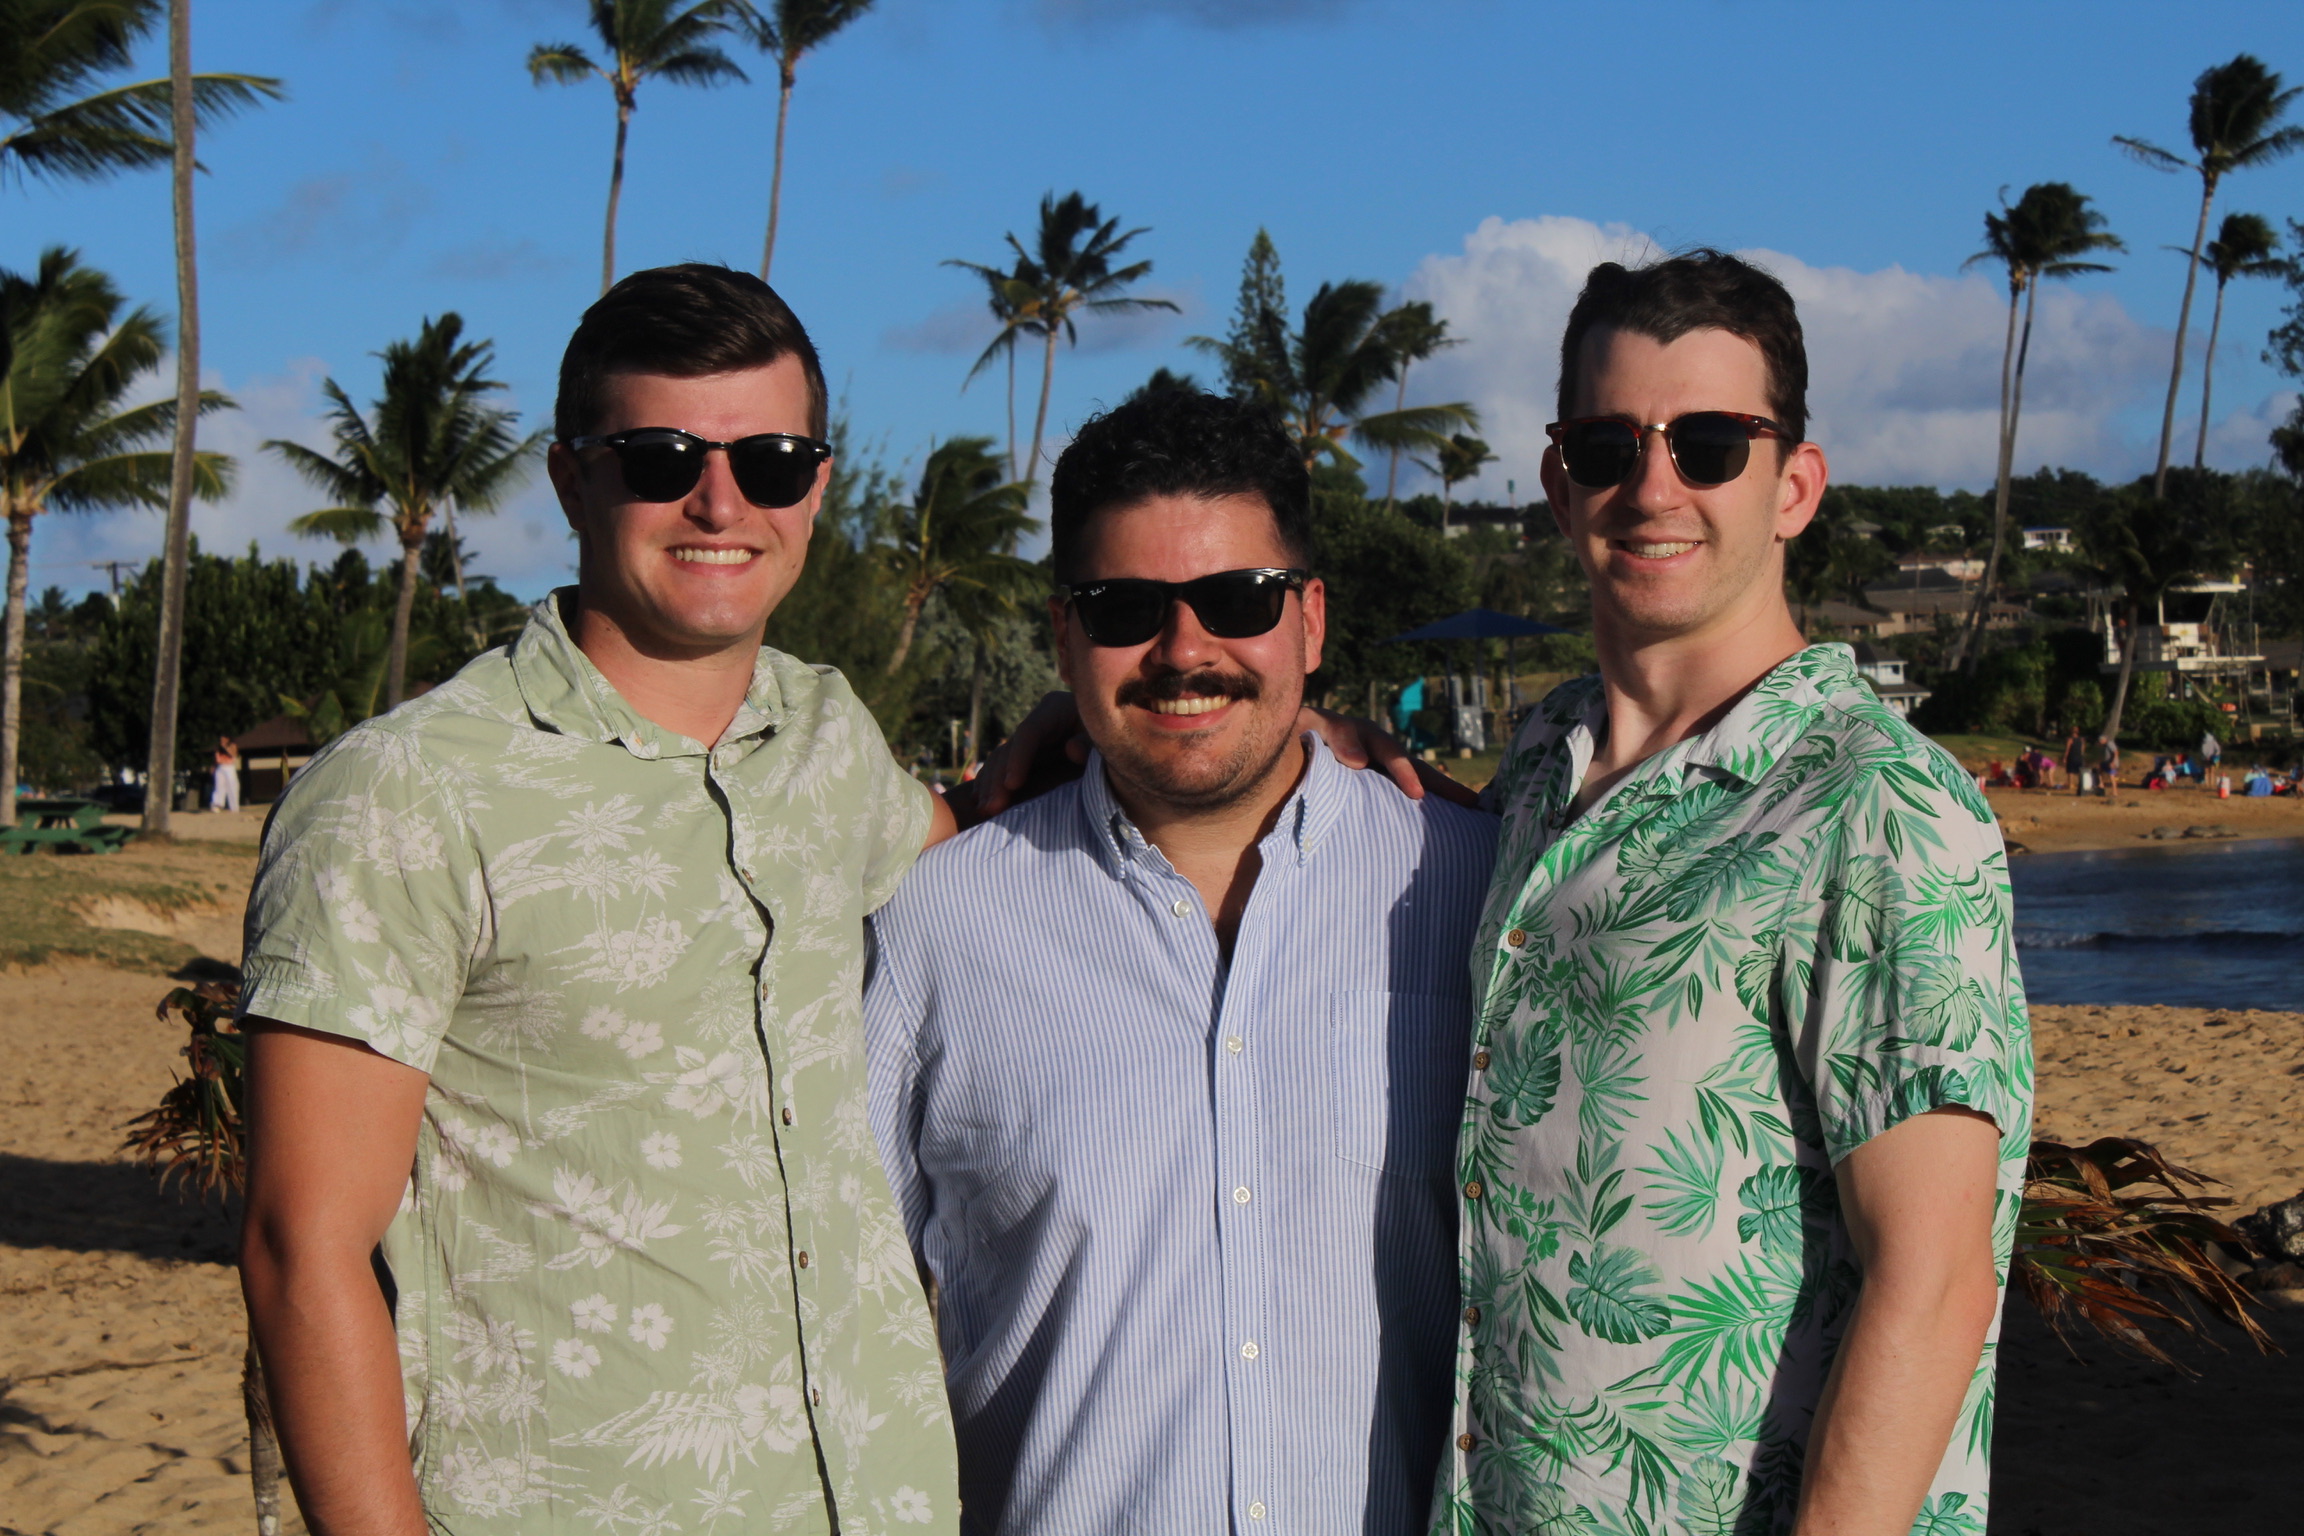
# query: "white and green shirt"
[[650, 1276], [1770, 943]]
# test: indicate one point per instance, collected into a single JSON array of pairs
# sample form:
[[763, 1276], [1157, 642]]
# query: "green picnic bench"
[[68, 826]]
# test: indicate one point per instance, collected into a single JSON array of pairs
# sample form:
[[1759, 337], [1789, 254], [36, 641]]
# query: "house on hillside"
[[2057, 539], [1886, 675]]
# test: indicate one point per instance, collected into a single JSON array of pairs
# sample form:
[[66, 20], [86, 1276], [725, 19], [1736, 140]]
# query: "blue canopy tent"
[[1483, 624]]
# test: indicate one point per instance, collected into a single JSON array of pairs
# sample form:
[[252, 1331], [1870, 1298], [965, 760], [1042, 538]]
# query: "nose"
[[1656, 482], [1182, 645], [716, 502]]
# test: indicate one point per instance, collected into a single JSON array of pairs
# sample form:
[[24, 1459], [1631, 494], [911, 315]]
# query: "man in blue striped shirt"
[[1177, 1146]]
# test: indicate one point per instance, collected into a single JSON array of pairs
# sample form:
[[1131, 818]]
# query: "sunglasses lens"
[[773, 471], [660, 468], [1121, 612], [1598, 454], [1709, 448], [1237, 605]]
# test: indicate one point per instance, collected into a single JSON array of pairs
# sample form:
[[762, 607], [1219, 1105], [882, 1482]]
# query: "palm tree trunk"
[[976, 702], [776, 177], [1012, 473], [1047, 382], [2111, 730], [396, 659], [2208, 378], [615, 193], [1392, 475], [1447, 489], [1969, 631], [2013, 411], [176, 544], [263, 1444], [912, 607], [12, 658], [2183, 321]]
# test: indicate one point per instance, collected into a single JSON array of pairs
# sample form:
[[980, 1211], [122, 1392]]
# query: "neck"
[[691, 691], [1215, 847], [1661, 690]]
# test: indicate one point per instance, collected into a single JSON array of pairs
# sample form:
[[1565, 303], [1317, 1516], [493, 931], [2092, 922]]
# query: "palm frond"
[[197, 1133], [125, 128], [137, 479], [346, 525], [560, 63], [1418, 426]]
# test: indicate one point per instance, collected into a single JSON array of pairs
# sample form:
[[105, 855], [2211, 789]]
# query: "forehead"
[[722, 406], [1175, 538], [1624, 372]]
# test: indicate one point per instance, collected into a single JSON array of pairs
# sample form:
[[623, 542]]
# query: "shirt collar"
[[1766, 721], [564, 692], [1305, 820]]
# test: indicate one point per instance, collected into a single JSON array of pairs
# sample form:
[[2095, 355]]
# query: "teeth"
[[1192, 706], [713, 556], [1657, 551]]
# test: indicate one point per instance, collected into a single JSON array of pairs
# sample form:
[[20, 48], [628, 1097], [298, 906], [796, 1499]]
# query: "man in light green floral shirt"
[[578, 937], [1751, 1089]]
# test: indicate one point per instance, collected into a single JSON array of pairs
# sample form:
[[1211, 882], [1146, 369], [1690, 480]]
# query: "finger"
[[1393, 759], [1446, 788], [1342, 735]]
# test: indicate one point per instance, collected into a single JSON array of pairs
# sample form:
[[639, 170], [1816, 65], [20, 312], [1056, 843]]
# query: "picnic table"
[[68, 826]]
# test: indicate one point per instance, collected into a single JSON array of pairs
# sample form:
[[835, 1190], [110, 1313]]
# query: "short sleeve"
[[898, 810], [366, 910], [1913, 999]]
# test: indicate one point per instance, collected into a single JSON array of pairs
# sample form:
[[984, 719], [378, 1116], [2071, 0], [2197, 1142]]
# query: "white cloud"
[[1904, 367]]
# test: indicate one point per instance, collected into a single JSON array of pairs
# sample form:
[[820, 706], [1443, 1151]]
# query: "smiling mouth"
[[1198, 704], [694, 556], [1645, 551]]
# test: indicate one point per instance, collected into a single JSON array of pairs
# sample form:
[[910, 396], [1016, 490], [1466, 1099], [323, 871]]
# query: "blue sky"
[[1477, 152]]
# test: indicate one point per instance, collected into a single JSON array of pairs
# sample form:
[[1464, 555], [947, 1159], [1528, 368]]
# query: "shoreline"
[[2058, 821]]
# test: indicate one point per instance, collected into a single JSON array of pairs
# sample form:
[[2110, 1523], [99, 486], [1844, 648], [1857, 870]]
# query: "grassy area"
[[43, 897]]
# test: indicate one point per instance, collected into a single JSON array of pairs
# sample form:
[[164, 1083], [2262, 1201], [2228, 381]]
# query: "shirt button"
[[1248, 1350], [1256, 1510], [787, 1114], [803, 1258], [1234, 1044], [1240, 1195], [1180, 907], [1472, 1190], [1479, 1061], [1516, 937], [816, 1396], [1465, 1442], [1472, 1316]]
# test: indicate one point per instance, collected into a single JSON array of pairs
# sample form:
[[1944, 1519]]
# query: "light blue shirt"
[[1193, 1226]]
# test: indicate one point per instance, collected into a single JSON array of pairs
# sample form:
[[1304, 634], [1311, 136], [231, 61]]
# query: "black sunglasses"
[[772, 469], [1707, 447], [1231, 605]]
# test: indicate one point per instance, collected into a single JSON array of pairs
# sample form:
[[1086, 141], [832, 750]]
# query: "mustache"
[[1206, 683]]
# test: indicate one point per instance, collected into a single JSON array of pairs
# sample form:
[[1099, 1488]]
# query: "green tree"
[[67, 441], [2246, 245], [1015, 305], [640, 40], [2149, 538], [1067, 272], [434, 443], [786, 30], [956, 538], [1385, 575], [1457, 458], [63, 122], [2235, 110], [2045, 234], [1417, 333], [1254, 353]]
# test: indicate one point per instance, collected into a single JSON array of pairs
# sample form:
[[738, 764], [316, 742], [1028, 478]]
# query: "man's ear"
[[567, 477], [1554, 476], [1800, 489], [1314, 600]]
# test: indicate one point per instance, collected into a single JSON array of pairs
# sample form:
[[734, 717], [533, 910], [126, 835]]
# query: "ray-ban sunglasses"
[[1708, 447], [1231, 605], [772, 469]]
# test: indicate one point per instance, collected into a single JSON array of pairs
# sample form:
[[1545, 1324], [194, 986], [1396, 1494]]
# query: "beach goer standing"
[[578, 936], [1751, 1087], [224, 787], [1178, 1147], [2107, 766], [2211, 754], [2075, 758]]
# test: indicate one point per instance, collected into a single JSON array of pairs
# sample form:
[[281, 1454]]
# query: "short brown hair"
[[1698, 290], [684, 322]]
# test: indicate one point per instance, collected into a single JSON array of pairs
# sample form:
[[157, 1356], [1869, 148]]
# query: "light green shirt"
[[650, 1275], [1769, 944]]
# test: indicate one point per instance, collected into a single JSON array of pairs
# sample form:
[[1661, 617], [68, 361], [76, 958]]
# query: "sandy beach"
[[120, 1364], [2058, 821]]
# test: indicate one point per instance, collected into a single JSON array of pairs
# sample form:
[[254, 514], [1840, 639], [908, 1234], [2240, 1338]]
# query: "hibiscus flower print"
[[650, 1326], [594, 1314], [574, 1357], [662, 1150]]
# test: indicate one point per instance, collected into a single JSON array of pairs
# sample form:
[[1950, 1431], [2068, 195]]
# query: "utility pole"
[[113, 568]]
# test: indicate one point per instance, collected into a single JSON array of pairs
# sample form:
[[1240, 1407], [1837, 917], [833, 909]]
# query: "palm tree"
[[957, 535], [67, 444], [1015, 304], [433, 445], [1417, 333], [788, 29], [1067, 273], [2245, 246], [53, 51], [2234, 108], [2043, 235], [1459, 457], [641, 39], [2147, 546]]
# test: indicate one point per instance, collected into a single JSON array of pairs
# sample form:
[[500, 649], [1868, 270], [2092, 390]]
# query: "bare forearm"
[[1889, 1410], [332, 1366]]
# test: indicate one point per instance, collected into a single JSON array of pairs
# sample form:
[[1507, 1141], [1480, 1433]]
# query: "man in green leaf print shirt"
[[1752, 1080]]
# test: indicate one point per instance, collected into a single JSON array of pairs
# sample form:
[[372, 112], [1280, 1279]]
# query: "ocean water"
[[2200, 925]]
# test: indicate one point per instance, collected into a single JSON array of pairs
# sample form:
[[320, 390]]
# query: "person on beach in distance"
[[2075, 758], [1751, 1085], [579, 935], [224, 789], [2107, 766], [1175, 1135]]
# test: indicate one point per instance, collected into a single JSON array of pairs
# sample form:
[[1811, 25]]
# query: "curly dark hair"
[[1696, 290], [1178, 442], [686, 322]]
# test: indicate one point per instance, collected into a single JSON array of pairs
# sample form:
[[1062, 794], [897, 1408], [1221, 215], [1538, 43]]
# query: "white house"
[[1886, 675], [2059, 539]]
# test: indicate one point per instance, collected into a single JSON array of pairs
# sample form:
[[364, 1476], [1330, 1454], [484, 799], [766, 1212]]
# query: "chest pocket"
[[1397, 1064]]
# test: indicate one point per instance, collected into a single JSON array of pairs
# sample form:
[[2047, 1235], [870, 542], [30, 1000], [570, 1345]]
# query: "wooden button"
[[803, 1258], [1516, 937], [1465, 1442], [1479, 1061], [1472, 1190], [1472, 1317]]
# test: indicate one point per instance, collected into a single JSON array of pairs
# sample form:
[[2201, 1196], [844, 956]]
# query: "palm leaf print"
[[1686, 1177], [1606, 1300]]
